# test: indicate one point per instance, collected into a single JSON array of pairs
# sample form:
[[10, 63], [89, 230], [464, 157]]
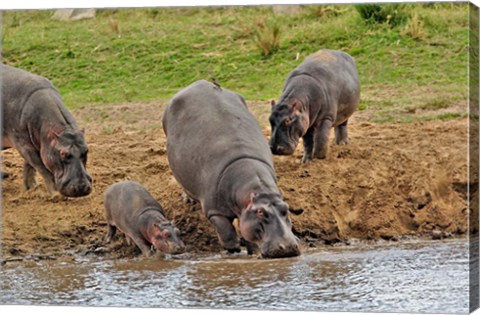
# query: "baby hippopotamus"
[[132, 209]]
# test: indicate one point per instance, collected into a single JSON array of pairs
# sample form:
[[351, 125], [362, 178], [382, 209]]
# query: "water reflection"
[[395, 277]]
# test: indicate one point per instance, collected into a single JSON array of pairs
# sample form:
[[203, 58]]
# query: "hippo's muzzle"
[[176, 249], [76, 188], [282, 149], [280, 250], [173, 248]]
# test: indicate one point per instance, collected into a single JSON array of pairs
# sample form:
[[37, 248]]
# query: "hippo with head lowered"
[[321, 93], [220, 157], [39, 126], [131, 208]]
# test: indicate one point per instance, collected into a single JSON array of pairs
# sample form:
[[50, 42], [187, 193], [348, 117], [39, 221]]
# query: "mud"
[[392, 181]]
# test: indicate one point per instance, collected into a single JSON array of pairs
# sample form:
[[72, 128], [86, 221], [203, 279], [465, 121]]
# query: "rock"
[[287, 9], [73, 14]]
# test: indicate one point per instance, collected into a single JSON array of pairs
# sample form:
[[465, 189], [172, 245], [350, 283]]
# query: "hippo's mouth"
[[284, 149], [170, 247], [79, 190], [281, 251]]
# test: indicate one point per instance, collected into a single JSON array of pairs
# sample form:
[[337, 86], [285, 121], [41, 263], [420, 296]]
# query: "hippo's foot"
[[320, 154], [30, 184], [306, 159], [252, 248], [226, 233], [29, 181], [188, 200], [342, 141], [234, 250], [112, 229]]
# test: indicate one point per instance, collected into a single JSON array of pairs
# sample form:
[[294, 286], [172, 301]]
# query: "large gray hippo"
[[221, 158], [321, 93], [39, 126], [133, 210]]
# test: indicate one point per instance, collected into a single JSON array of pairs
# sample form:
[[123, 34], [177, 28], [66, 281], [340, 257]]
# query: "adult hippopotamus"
[[220, 157], [133, 210], [39, 126], [321, 93]]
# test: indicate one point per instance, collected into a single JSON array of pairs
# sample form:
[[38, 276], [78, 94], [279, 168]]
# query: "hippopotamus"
[[39, 126], [221, 159], [133, 210], [321, 93]]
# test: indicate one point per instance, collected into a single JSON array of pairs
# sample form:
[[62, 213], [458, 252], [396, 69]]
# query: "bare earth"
[[391, 181]]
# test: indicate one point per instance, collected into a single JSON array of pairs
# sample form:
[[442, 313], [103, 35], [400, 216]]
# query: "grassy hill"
[[416, 69]]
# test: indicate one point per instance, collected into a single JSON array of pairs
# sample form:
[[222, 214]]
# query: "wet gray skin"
[[220, 157], [130, 208], [320, 94], [39, 126]]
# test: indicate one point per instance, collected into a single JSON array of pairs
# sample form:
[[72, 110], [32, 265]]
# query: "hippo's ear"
[[296, 106], [52, 137], [250, 201], [261, 213], [272, 102]]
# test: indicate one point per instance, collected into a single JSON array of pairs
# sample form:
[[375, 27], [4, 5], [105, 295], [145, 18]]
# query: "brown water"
[[413, 276]]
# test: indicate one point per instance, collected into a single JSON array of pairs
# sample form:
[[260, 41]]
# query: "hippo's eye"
[[64, 155], [282, 209]]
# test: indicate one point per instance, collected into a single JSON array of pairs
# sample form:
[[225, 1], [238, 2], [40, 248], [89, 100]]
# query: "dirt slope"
[[393, 180]]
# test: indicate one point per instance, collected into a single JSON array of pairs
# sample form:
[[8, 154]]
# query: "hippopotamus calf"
[[220, 157], [39, 126], [321, 93], [132, 209]]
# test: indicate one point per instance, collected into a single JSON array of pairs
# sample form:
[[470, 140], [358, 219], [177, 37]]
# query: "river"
[[406, 276]]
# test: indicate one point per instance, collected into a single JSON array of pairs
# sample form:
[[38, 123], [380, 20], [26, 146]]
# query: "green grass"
[[130, 55]]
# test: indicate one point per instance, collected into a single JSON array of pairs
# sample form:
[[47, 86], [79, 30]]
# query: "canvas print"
[[305, 157]]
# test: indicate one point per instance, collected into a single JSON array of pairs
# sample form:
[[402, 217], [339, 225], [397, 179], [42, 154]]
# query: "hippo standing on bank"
[[321, 93], [132, 209], [39, 126], [220, 157]]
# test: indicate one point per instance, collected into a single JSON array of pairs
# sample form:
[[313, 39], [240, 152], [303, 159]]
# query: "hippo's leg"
[[226, 233], [252, 248], [187, 199], [142, 244], [308, 146], [28, 176], [33, 159], [112, 229], [341, 134], [129, 240], [320, 139]]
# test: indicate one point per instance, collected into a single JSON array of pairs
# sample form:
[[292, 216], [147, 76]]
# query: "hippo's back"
[[18, 84], [208, 128], [126, 199], [337, 72]]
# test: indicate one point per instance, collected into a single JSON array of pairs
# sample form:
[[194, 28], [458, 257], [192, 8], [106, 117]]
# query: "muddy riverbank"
[[392, 181]]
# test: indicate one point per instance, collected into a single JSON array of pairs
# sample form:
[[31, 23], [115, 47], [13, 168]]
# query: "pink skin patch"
[[159, 239]]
